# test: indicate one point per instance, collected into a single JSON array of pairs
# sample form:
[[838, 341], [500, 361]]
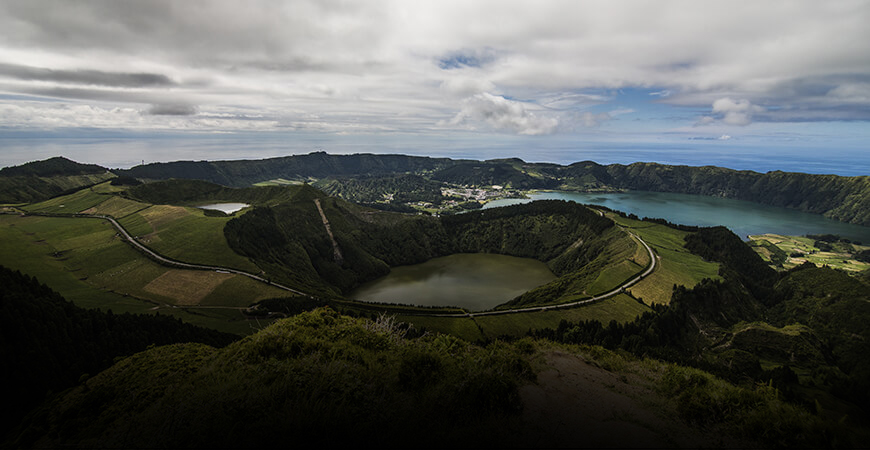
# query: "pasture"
[[677, 266], [799, 249], [85, 261]]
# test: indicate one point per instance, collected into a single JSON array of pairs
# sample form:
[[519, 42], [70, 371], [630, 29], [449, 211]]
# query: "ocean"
[[125, 152]]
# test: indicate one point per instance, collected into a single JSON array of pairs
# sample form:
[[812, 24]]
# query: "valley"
[[290, 254]]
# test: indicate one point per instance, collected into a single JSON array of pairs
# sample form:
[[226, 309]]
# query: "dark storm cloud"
[[172, 110], [88, 77], [103, 95]]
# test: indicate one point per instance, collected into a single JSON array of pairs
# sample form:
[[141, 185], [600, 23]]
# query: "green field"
[[69, 204], [840, 256], [90, 265], [178, 232], [117, 207], [185, 234], [86, 261], [278, 182], [677, 266], [615, 264]]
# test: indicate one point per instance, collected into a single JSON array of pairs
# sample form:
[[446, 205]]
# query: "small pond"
[[226, 208], [474, 281]]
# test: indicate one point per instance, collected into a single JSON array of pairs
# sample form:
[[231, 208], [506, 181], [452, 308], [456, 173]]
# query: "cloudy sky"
[[543, 80]]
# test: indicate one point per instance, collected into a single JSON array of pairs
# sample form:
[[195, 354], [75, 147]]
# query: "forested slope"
[[317, 165], [41, 180], [842, 198], [803, 331], [47, 343], [289, 240], [316, 380]]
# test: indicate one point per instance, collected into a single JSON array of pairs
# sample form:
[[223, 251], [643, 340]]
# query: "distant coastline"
[[125, 153]]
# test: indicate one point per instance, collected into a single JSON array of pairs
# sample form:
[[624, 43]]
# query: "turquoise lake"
[[742, 217], [483, 281]]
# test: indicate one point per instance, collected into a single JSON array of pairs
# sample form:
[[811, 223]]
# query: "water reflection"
[[476, 281]]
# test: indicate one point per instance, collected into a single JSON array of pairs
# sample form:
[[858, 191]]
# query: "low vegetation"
[[321, 378], [86, 261], [291, 243], [48, 344], [788, 252], [41, 180], [716, 342], [316, 379], [801, 332]]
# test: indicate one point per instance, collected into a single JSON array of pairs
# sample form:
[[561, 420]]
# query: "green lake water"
[[742, 217], [483, 281], [477, 281]]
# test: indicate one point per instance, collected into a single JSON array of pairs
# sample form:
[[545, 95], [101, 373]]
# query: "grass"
[[28, 252], [69, 204], [614, 276], [611, 267], [278, 182], [620, 308], [839, 258], [239, 290], [88, 264], [186, 287], [756, 413], [186, 234], [677, 266], [462, 327], [318, 378], [107, 188], [117, 207]]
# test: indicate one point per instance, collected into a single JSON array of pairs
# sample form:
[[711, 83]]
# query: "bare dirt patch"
[[578, 405], [187, 287]]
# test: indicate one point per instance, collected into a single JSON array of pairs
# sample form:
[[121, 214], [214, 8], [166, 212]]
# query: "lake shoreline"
[[743, 217]]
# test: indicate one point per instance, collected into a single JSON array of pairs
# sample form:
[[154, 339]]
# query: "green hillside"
[[322, 379], [803, 331], [777, 359], [57, 166], [290, 241], [842, 198], [317, 379], [40, 180], [48, 344]]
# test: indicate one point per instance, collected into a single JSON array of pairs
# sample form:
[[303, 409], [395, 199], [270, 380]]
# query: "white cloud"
[[402, 65], [732, 112], [464, 86], [503, 114]]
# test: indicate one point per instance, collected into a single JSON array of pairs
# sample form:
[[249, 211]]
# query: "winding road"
[[172, 262], [616, 291]]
